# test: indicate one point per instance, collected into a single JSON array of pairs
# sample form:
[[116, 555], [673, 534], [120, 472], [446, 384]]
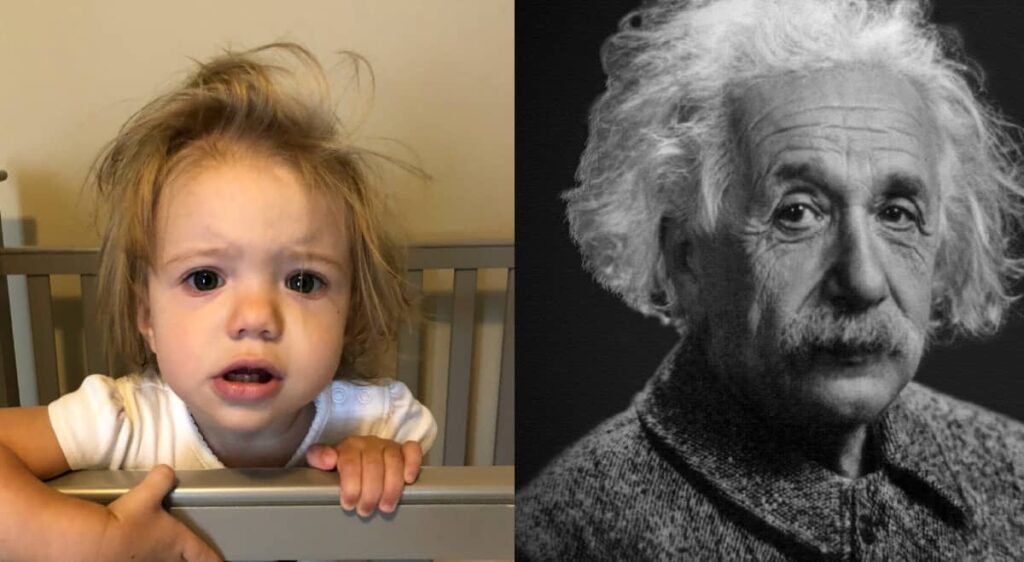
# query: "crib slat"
[[505, 431], [41, 311], [409, 341], [460, 363], [8, 367], [95, 358]]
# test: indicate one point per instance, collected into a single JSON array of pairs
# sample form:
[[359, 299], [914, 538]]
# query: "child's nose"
[[256, 314]]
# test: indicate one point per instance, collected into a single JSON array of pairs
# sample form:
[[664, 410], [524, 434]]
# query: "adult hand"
[[373, 471], [139, 528]]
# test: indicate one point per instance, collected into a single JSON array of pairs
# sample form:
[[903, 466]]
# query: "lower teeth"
[[247, 377]]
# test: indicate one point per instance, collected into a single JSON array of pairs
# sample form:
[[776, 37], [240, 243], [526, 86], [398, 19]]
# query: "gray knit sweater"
[[683, 475]]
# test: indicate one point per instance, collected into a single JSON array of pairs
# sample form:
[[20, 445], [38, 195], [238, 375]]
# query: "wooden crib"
[[453, 511]]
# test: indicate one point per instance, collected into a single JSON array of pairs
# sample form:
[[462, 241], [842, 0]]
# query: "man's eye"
[[304, 282], [798, 216], [204, 280], [897, 217]]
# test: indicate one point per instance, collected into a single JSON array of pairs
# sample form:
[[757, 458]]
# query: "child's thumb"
[[322, 457], [151, 491]]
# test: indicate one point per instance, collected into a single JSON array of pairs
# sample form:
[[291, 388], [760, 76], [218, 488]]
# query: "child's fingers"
[[393, 478], [322, 457], [373, 480], [350, 471], [413, 455]]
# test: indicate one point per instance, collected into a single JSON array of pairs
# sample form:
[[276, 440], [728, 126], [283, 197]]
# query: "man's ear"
[[144, 321], [678, 251]]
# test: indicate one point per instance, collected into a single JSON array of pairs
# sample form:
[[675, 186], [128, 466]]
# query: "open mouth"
[[247, 375], [248, 381]]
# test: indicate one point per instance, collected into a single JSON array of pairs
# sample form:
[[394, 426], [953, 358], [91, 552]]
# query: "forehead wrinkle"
[[824, 126], [772, 110], [843, 145], [865, 129]]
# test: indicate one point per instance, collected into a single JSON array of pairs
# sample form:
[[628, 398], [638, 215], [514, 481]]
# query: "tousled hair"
[[246, 104], [660, 146]]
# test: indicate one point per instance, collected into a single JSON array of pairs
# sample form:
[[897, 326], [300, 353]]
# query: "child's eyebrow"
[[215, 252], [306, 256], [229, 253]]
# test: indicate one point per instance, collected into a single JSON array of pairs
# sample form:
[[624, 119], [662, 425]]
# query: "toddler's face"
[[248, 295]]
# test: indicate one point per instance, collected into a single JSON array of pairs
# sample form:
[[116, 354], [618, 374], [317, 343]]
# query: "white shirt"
[[138, 422]]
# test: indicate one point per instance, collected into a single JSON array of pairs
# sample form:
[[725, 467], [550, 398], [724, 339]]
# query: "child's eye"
[[304, 282], [204, 280]]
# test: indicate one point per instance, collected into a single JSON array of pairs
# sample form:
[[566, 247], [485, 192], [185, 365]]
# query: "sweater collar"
[[698, 429]]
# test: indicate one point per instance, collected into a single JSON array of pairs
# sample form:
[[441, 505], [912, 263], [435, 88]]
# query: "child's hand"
[[140, 529], [373, 471]]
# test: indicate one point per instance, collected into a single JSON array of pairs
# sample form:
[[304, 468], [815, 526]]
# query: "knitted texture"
[[683, 474]]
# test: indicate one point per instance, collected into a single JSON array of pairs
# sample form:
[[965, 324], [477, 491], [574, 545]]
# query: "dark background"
[[581, 354]]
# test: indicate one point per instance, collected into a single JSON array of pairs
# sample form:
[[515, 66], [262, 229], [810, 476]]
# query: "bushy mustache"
[[881, 330]]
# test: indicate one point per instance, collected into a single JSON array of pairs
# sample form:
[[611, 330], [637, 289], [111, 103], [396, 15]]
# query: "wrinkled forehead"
[[845, 115]]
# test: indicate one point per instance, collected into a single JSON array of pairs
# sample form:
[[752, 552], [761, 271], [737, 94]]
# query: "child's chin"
[[241, 422]]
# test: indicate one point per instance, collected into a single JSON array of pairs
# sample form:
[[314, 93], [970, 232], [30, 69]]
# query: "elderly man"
[[808, 191]]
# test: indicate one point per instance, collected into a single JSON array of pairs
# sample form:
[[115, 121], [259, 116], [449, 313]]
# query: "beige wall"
[[72, 72]]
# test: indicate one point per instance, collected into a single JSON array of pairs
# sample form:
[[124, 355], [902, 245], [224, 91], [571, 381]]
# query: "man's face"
[[815, 290]]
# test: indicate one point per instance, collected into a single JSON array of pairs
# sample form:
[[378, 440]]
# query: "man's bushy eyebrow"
[[900, 183], [897, 183], [808, 172]]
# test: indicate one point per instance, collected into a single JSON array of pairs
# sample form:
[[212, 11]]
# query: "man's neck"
[[845, 451]]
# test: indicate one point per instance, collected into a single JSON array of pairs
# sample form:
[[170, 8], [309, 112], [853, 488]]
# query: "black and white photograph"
[[769, 260]]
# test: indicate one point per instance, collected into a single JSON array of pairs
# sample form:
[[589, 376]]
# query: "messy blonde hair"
[[245, 103], [661, 147]]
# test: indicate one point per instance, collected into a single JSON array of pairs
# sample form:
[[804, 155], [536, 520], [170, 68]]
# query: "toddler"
[[247, 280]]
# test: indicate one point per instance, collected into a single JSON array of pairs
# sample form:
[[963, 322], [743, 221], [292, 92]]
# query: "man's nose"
[[256, 314], [857, 279]]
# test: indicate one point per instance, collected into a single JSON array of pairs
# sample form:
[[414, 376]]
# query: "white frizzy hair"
[[660, 146]]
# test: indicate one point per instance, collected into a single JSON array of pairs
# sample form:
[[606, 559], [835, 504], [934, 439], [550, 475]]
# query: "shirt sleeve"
[[409, 420], [89, 424]]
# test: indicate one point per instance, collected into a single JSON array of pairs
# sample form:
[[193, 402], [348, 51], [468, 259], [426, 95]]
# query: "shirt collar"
[[708, 436], [908, 445]]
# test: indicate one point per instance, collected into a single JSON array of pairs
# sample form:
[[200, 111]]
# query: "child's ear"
[[144, 321]]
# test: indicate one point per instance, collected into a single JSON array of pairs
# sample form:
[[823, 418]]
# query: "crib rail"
[[450, 512]]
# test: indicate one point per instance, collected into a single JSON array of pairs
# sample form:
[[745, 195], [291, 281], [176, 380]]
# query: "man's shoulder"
[[984, 450], [967, 424], [556, 513], [975, 440], [606, 496], [595, 460]]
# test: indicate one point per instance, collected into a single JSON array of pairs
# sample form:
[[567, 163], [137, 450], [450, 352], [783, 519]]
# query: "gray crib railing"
[[273, 514]]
